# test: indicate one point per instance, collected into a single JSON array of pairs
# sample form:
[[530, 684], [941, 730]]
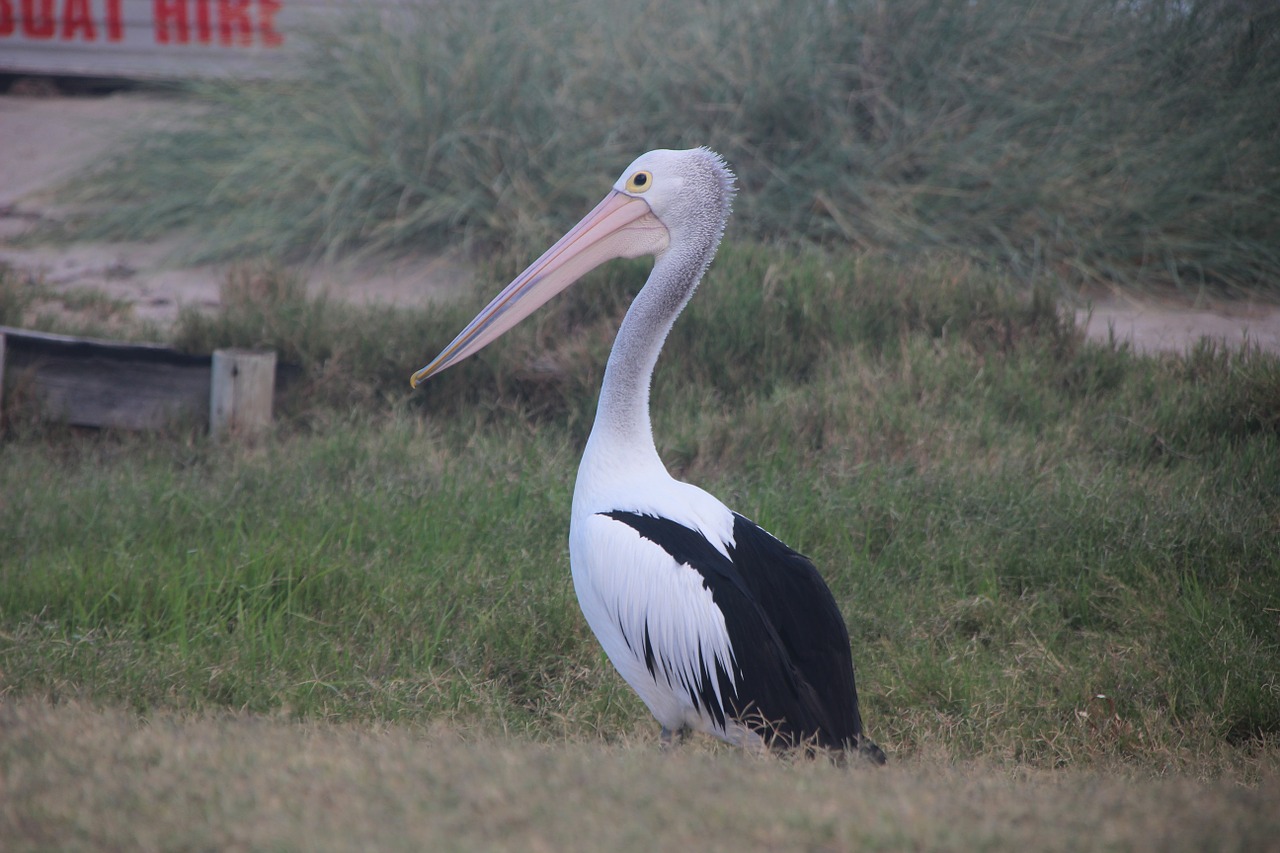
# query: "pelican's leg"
[[671, 739]]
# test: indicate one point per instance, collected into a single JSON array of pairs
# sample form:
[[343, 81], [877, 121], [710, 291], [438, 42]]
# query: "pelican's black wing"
[[795, 672], [800, 607]]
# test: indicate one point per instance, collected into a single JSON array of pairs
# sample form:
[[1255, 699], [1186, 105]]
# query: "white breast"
[[627, 585]]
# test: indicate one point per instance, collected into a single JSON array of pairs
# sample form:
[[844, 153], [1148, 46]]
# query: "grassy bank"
[[1097, 139], [1049, 553]]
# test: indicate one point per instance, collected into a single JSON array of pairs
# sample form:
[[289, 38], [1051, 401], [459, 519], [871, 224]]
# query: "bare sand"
[[49, 138]]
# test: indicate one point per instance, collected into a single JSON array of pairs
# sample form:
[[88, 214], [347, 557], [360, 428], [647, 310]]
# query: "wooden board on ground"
[[100, 383]]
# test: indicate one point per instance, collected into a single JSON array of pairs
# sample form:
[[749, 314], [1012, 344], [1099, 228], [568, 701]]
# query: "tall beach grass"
[[1094, 139]]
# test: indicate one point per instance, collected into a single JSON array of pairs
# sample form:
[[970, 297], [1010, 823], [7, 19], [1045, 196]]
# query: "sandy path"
[[1174, 323], [46, 140]]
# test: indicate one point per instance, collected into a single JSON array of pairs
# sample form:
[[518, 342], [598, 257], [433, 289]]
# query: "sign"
[[151, 38]]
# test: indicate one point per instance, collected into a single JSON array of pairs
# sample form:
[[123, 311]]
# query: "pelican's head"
[[663, 199], [688, 191]]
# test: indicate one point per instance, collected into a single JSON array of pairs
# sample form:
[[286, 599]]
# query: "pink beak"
[[620, 226]]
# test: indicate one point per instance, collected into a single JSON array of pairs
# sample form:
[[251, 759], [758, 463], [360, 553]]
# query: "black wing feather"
[[795, 671], [800, 607]]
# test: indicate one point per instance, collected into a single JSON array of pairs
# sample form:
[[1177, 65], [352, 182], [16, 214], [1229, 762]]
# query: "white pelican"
[[717, 625]]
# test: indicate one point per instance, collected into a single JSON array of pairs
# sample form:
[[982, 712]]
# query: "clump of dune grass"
[[16, 295], [28, 301], [1094, 139]]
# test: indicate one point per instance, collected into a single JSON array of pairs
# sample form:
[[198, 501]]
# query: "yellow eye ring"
[[639, 182]]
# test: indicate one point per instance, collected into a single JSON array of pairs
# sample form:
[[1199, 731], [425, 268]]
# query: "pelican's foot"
[[670, 739], [870, 751]]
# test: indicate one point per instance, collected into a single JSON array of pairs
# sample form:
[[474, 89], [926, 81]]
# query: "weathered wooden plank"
[[91, 382], [101, 383], [105, 392], [87, 382]]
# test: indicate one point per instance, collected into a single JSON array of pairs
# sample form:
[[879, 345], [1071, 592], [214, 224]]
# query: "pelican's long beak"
[[621, 226]]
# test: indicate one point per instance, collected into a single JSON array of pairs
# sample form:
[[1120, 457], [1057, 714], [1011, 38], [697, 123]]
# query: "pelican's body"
[[717, 625]]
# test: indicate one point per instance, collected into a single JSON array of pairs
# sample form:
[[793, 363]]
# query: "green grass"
[[1071, 137], [1015, 523], [1059, 561]]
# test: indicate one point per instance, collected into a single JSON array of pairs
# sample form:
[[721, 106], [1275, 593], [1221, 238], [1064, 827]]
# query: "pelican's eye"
[[639, 182]]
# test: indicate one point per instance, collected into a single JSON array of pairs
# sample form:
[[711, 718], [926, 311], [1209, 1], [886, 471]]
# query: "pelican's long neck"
[[621, 447], [622, 427]]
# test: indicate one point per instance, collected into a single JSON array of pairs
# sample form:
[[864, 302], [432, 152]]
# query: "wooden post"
[[240, 391]]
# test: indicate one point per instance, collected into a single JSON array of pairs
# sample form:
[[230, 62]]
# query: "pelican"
[[718, 626]]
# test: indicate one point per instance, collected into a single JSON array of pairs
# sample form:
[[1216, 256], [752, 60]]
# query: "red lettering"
[[41, 23], [234, 21], [267, 10], [231, 23], [76, 18], [115, 23], [6, 18], [204, 22], [171, 21]]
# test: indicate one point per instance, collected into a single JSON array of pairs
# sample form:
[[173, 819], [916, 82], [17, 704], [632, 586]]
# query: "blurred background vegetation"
[[1091, 139]]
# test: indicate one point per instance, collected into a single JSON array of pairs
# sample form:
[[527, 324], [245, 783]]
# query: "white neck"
[[623, 432]]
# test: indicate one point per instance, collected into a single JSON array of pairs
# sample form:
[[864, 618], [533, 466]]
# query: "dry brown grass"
[[82, 779]]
